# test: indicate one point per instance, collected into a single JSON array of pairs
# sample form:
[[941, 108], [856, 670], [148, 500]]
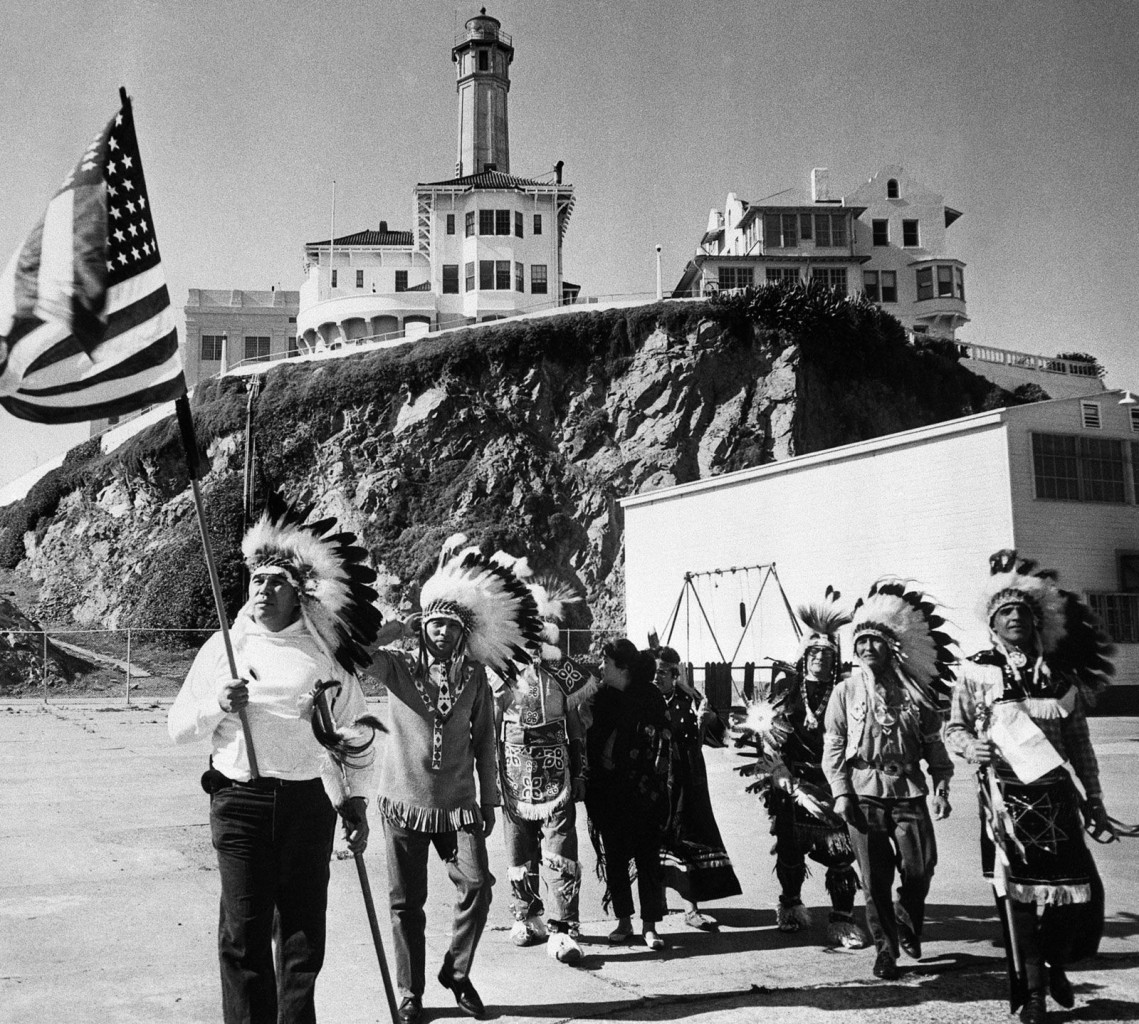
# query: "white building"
[[1057, 480], [485, 244], [886, 238]]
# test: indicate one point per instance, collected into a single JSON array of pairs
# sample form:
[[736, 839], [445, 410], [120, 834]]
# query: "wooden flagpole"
[[190, 444]]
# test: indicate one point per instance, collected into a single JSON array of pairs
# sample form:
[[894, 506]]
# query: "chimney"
[[383, 227], [820, 185], [558, 171]]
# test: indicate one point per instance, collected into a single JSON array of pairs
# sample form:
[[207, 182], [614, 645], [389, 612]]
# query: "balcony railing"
[[1025, 360]]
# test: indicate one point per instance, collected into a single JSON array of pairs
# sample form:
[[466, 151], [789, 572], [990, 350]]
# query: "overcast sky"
[[1024, 114]]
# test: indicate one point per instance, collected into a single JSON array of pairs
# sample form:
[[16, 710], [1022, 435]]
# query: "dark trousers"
[[899, 837], [642, 847], [464, 853], [273, 847]]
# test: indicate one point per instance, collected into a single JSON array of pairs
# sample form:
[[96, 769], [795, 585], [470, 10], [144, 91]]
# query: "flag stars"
[[128, 162], [118, 120], [127, 185], [111, 167], [114, 212], [135, 253], [142, 202], [131, 206], [123, 258], [112, 143], [119, 236], [111, 190], [133, 229]]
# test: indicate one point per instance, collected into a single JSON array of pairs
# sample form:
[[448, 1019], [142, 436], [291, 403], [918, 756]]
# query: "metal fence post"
[[128, 667], [44, 673]]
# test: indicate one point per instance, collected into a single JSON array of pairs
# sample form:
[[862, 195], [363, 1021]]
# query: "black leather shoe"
[[1060, 987], [410, 1010], [465, 995], [909, 942], [886, 967], [1033, 1011]]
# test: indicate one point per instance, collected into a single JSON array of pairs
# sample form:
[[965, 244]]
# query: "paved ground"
[[108, 904]]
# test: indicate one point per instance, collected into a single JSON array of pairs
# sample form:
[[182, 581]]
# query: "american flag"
[[86, 328]]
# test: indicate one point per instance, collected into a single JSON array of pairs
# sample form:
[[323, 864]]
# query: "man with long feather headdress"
[[475, 615], [1019, 714], [785, 725], [302, 634], [542, 766], [881, 722]]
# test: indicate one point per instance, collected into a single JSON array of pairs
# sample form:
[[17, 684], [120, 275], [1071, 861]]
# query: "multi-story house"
[[887, 239]]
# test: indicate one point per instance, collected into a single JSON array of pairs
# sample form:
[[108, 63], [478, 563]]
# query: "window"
[[737, 277], [881, 231], [401, 280], [334, 278], [784, 275], [537, 224], [892, 189], [450, 223], [517, 224], [538, 278], [1129, 561], [1133, 412], [486, 222], [780, 230], [470, 276], [1089, 415], [519, 277], [486, 275], [1073, 468], [484, 60], [211, 348], [925, 283], [831, 277], [257, 349], [502, 222], [1119, 614], [291, 348], [870, 285], [830, 229], [959, 278], [469, 223], [359, 279], [502, 275], [804, 227], [945, 281], [910, 234], [450, 279], [889, 286]]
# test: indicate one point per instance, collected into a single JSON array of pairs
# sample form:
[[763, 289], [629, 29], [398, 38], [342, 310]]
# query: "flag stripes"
[[86, 326]]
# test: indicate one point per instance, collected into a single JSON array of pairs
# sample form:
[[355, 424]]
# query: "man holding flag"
[[1018, 713]]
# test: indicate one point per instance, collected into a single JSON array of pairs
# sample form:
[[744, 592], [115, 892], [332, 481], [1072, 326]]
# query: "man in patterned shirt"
[[1018, 713]]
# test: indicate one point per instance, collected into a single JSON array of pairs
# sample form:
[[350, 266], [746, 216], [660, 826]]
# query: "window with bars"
[[538, 279], [1119, 614], [401, 280], [359, 279], [450, 279], [334, 278], [257, 348], [1074, 468], [737, 277], [830, 230], [211, 348]]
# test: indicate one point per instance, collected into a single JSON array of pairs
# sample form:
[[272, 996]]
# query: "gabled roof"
[[369, 238], [492, 179]]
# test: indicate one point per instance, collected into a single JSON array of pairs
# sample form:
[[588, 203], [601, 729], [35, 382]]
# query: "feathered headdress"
[[1071, 636], [823, 620], [908, 621], [550, 596], [496, 610], [329, 573]]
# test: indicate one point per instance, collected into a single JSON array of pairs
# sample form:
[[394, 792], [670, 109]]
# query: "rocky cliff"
[[522, 435]]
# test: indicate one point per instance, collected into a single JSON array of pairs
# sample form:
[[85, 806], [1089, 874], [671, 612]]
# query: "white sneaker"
[[529, 932], [562, 948]]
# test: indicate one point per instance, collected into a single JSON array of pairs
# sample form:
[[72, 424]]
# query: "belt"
[[886, 767], [272, 783]]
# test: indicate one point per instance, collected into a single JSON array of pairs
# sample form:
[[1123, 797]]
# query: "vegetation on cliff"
[[523, 434]]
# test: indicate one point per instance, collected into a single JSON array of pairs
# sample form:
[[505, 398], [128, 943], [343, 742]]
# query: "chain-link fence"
[[139, 665]]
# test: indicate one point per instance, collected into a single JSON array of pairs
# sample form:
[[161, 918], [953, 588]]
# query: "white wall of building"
[[842, 518]]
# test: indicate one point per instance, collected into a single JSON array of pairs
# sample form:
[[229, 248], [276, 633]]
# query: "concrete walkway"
[[108, 907]]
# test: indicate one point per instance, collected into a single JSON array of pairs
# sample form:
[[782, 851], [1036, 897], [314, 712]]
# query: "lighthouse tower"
[[482, 55]]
